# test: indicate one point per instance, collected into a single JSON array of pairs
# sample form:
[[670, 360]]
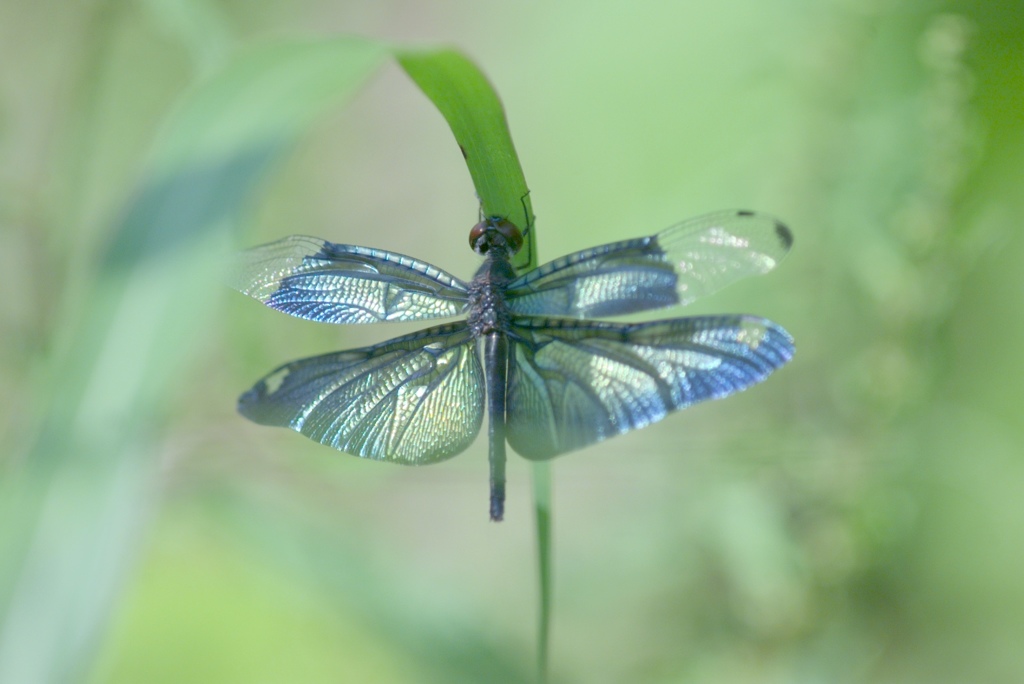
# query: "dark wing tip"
[[784, 234], [781, 230], [251, 399]]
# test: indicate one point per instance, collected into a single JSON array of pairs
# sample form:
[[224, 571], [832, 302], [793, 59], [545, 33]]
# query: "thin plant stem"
[[542, 518]]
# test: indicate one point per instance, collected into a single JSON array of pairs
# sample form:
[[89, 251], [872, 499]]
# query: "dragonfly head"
[[495, 232]]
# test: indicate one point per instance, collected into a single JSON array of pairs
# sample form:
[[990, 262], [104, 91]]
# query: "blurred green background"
[[857, 518]]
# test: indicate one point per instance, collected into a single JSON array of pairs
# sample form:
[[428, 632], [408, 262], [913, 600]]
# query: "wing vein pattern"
[[575, 383], [333, 283], [414, 400], [676, 266]]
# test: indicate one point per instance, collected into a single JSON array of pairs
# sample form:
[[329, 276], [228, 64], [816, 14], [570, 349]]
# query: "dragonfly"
[[527, 350]]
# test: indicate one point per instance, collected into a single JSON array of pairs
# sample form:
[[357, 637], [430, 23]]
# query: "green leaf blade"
[[473, 111]]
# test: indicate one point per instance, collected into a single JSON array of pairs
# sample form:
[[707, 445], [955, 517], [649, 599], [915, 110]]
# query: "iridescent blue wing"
[[413, 400], [571, 383], [322, 281], [676, 266]]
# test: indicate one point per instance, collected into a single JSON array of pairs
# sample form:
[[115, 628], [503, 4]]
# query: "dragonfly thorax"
[[487, 308]]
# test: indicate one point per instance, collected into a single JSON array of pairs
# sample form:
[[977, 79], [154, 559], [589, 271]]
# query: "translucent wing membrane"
[[414, 400], [574, 383], [322, 281], [676, 266]]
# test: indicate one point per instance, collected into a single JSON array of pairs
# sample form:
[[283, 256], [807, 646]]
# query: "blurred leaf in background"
[[858, 519]]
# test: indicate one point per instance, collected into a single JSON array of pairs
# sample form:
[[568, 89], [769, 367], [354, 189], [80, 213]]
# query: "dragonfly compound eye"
[[495, 230], [477, 237], [511, 233]]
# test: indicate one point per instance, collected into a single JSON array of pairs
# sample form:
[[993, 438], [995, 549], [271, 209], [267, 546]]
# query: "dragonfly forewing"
[[322, 281]]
